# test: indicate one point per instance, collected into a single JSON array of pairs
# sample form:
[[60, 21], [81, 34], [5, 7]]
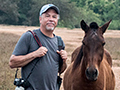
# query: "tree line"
[[26, 12]]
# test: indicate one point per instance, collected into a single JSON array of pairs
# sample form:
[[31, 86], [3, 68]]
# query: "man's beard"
[[50, 28]]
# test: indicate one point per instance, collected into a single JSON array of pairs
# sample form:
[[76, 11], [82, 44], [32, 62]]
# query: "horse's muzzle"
[[91, 74]]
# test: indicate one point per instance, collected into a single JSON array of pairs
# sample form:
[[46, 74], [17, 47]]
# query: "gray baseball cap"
[[49, 6]]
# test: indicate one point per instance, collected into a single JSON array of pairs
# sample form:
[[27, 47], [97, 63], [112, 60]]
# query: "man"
[[27, 51]]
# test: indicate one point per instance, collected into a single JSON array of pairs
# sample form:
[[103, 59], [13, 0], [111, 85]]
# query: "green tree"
[[8, 12], [33, 13], [68, 12], [24, 8], [79, 3], [112, 11], [26, 12]]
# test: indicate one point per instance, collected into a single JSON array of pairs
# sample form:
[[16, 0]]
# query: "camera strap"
[[39, 44], [16, 73]]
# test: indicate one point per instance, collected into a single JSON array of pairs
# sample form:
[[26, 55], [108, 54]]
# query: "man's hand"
[[40, 51], [63, 54]]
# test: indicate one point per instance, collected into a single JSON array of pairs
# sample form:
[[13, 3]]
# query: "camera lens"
[[22, 80], [16, 79]]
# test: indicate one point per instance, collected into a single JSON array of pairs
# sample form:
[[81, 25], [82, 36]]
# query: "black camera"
[[19, 82]]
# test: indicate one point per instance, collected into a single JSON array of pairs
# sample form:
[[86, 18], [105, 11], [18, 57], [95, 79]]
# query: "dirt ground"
[[72, 38]]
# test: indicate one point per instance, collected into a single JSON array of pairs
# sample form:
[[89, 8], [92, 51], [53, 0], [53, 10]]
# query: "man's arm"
[[22, 60]]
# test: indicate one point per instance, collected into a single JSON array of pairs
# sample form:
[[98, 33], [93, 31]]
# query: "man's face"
[[49, 19]]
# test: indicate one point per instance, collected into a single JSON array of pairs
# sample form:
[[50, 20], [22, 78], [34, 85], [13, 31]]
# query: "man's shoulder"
[[29, 34], [36, 30]]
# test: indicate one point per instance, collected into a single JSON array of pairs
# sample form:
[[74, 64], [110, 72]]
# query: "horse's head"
[[93, 48]]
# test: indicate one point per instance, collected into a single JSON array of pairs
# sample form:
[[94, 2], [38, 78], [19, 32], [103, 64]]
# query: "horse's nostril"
[[96, 72], [91, 74], [87, 72]]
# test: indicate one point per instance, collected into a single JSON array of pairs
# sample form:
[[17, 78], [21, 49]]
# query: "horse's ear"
[[105, 26], [84, 26]]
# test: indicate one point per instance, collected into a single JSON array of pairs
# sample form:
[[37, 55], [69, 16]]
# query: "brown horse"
[[91, 64]]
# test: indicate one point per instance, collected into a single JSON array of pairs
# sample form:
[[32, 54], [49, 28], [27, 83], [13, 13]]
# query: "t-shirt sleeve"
[[23, 44]]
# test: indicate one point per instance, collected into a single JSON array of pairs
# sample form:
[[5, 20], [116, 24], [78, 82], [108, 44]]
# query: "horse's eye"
[[103, 44]]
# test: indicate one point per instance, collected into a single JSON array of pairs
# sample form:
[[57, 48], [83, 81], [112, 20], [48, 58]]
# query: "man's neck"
[[48, 33]]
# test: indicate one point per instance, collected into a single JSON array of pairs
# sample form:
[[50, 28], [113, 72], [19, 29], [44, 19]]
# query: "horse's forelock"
[[94, 25]]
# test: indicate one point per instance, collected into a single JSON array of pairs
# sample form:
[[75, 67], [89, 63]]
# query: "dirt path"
[[72, 39]]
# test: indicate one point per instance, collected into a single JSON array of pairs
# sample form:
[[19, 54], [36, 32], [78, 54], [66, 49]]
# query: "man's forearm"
[[20, 61]]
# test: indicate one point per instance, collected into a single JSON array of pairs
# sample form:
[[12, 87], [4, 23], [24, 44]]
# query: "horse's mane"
[[78, 59]]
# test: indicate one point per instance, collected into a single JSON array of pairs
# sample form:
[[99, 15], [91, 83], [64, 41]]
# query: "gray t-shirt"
[[44, 75]]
